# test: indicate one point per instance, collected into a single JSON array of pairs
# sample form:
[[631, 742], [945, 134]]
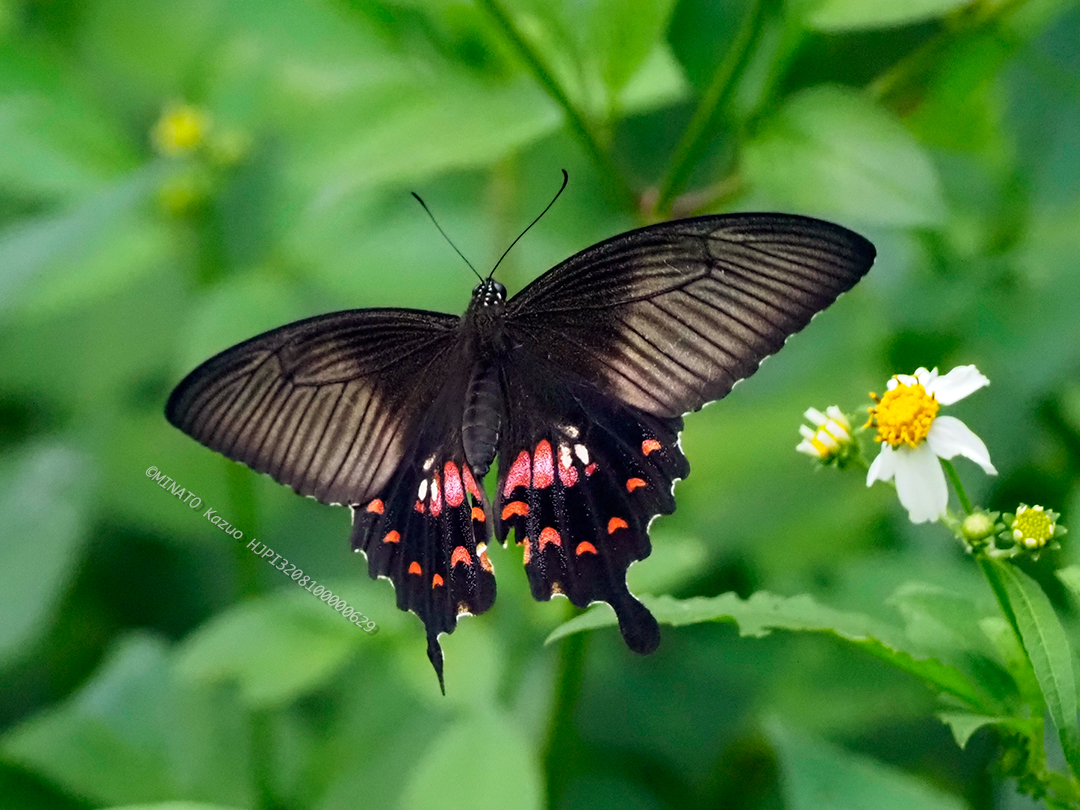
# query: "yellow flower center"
[[180, 129], [903, 415], [1033, 527]]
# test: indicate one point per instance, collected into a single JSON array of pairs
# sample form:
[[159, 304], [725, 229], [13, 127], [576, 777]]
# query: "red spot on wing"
[[436, 496], [567, 470], [470, 482], [634, 483], [549, 535], [460, 555], [543, 465], [590, 469], [650, 446], [376, 507], [518, 474], [419, 507], [392, 537], [478, 514], [453, 489], [585, 548], [515, 508], [436, 581], [415, 568], [615, 524]]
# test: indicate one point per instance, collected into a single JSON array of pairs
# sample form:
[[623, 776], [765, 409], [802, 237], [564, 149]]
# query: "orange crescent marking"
[[585, 548], [376, 506], [549, 535], [436, 581], [419, 507], [460, 555], [528, 551], [392, 537], [615, 524], [478, 514], [649, 445], [415, 568], [634, 483], [515, 508]]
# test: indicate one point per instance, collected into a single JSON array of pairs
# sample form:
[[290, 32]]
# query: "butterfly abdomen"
[[482, 417]]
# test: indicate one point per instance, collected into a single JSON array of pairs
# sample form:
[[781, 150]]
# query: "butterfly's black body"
[[577, 384]]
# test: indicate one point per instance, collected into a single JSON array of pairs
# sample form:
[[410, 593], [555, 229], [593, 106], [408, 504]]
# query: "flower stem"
[[575, 118], [699, 131], [954, 479]]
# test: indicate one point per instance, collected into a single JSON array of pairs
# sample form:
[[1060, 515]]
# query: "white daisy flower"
[[830, 436], [913, 437]]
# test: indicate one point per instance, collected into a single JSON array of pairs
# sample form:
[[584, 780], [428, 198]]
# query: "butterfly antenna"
[[565, 180], [447, 238]]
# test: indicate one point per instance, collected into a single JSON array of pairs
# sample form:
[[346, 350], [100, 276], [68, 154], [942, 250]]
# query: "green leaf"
[[135, 733], [172, 806], [1049, 652], [276, 648], [964, 724], [43, 503], [842, 15], [1070, 578], [623, 33], [446, 779], [764, 612], [817, 775], [835, 152]]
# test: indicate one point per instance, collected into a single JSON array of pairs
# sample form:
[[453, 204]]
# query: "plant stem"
[[954, 479], [699, 130], [577, 120]]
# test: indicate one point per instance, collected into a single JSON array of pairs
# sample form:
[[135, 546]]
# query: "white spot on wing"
[[422, 492], [582, 452]]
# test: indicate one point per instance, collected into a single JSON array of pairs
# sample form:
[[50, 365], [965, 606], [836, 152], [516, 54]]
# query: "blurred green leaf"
[[134, 733], [674, 560], [35, 246], [842, 15], [1049, 651], [964, 724], [446, 778], [623, 33], [819, 776], [1070, 578], [276, 648], [171, 806], [764, 612], [44, 500], [835, 152]]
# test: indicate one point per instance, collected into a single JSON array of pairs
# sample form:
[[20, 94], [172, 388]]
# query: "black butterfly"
[[578, 384]]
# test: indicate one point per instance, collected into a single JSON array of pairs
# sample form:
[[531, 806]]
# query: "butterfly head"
[[488, 293]]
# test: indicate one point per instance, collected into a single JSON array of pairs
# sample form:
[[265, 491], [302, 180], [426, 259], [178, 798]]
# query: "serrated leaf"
[[835, 152], [134, 733], [817, 775], [43, 504], [275, 648], [764, 612], [964, 724], [445, 779], [1048, 650], [845, 15]]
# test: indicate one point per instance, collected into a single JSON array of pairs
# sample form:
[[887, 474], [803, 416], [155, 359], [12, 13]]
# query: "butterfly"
[[577, 384]]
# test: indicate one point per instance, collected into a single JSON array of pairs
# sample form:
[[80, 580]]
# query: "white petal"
[[883, 467], [949, 437], [808, 448], [806, 432], [920, 483], [957, 384], [926, 378], [815, 417]]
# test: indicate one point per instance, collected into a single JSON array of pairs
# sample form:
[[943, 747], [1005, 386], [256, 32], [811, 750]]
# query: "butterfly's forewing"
[[670, 317], [327, 405], [611, 347]]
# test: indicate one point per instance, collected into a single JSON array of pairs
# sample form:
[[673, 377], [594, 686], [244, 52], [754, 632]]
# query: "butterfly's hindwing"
[[581, 477]]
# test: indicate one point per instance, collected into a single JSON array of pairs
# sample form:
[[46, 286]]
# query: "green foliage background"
[[146, 657]]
